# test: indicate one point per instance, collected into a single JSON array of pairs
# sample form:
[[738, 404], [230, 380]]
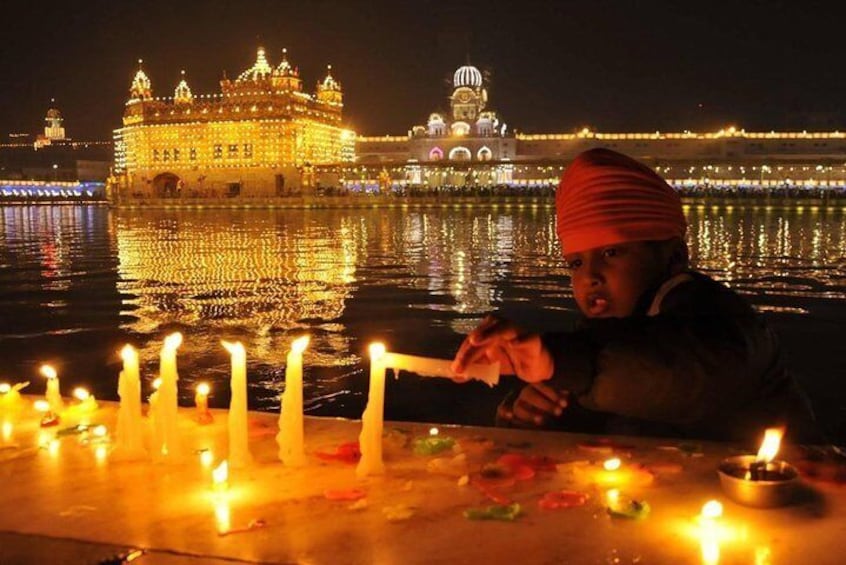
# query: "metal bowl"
[[775, 489]]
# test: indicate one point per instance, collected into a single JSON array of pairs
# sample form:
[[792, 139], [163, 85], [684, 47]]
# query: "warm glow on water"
[[77, 283]]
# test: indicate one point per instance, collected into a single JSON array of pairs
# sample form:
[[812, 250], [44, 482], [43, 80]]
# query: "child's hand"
[[534, 407], [497, 340]]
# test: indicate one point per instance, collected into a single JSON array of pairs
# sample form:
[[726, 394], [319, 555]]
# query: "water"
[[77, 282]]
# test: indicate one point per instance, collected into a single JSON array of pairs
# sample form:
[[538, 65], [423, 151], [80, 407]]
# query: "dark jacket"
[[695, 360]]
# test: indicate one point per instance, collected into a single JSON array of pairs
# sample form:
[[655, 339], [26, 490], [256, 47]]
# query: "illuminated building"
[[259, 137], [53, 167], [474, 149]]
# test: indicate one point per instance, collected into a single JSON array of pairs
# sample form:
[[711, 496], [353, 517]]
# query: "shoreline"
[[392, 202]]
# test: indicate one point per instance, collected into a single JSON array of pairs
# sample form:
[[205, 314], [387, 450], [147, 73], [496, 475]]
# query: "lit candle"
[[167, 404], [53, 396], [428, 367], [220, 477], [129, 436], [10, 402], [370, 439], [206, 458], [239, 450], [709, 532], [290, 436], [201, 400], [48, 418], [85, 406]]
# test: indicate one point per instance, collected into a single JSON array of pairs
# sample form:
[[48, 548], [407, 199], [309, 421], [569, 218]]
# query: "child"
[[662, 350]]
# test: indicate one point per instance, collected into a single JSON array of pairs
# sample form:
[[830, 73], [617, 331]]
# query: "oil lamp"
[[759, 480]]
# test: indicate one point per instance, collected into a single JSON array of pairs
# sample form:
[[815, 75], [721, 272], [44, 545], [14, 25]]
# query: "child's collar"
[[664, 290]]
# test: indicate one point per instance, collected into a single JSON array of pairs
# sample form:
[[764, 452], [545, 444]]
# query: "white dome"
[[467, 76]]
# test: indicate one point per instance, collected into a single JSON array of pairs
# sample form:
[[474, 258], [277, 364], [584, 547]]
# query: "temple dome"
[[329, 83], [284, 68], [261, 69], [183, 93], [467, 75], [141, 88]]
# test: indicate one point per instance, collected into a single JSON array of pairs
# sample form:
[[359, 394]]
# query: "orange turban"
[[605, 198]]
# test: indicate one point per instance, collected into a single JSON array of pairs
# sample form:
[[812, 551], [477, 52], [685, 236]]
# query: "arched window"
[[484, 154], [436, 154], [460, 154]]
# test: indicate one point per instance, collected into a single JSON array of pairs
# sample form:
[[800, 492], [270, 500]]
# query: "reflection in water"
[[77, 282]]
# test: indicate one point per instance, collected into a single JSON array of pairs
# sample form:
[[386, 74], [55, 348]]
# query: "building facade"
[[472, 148], [261, 136]]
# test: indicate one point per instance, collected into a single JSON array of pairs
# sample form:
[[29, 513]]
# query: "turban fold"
[[606, 198]]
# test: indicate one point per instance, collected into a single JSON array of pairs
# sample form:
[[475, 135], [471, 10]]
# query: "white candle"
[[290, 436], [370, 439], [129, 436], [53, 395], [201, 401], [10, 402], [239, 450], [167, 409], [85, 406], [428, 367], [155, 416]]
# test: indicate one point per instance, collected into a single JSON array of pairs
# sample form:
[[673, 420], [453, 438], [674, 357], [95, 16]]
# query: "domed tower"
[[260, 71], [182, 94], [468, 97], [286, 77], [54, 129], [141, 88], [329, 90]]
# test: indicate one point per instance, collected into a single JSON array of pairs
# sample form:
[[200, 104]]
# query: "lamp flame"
[[220, 476], [48, 371], [81, 394], [712, 510], [234, 348], [376, 350], [770, 445], [612, 464], [128, 354], [299, 345], [203, 389], [173, 341]]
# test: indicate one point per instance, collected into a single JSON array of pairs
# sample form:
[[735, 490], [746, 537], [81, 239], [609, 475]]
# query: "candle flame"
[[157, 383], [220, 475], [770, 445], [128, 354], [173, 341], [203, 389], [433, 431], [48, 371], [234, 348], [81, 394], [100, 431], [206, 457], [5, 388], [712, 509], [41, 405], [299, 345], [376, 350], [612, 464]]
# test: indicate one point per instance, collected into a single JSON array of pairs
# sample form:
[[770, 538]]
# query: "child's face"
[[609, 281]]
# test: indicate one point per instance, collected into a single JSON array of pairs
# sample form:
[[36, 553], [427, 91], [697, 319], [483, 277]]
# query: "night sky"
[[553, 66]]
